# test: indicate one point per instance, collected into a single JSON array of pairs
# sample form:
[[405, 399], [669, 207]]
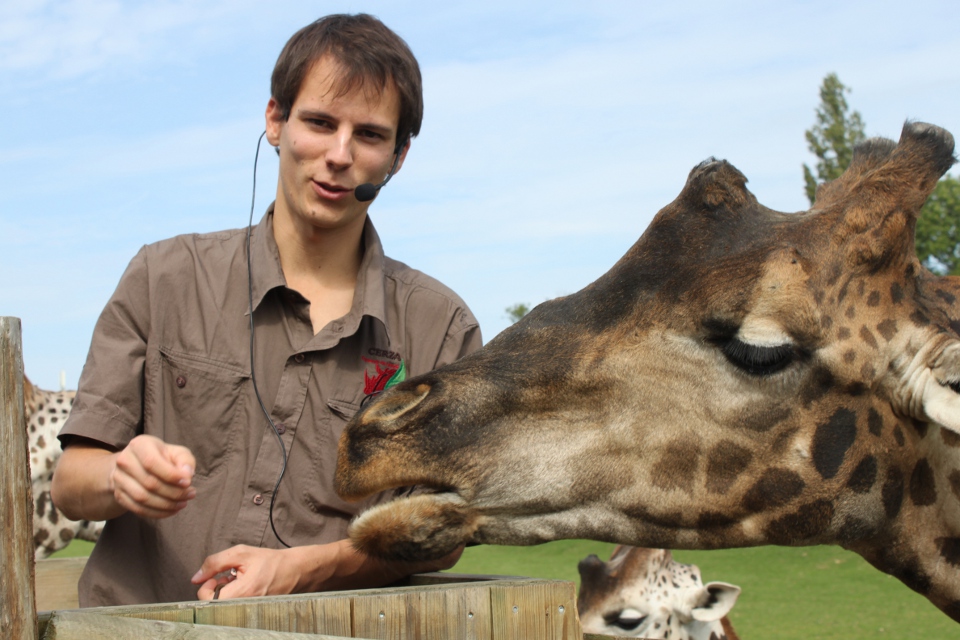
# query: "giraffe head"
[[740, 377], [645, 593]]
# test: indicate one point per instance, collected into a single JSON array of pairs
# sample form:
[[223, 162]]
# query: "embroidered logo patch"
[[383, 375]]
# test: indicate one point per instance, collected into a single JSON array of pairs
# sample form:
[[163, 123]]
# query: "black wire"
[[253, 377]]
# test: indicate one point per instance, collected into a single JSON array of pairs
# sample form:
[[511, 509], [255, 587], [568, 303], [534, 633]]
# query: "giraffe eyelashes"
[[758, 360], [628, 619]]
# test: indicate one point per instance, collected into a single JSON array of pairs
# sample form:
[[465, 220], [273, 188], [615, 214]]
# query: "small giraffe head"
[[740, 377], [645, 593]]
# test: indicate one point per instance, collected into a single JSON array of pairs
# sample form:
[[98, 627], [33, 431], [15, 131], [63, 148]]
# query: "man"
[[168, 440]]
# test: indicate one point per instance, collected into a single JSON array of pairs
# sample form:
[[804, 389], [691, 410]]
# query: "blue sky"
[[553, 131]]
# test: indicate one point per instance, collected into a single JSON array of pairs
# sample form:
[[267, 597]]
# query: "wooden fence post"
[[18, 607]]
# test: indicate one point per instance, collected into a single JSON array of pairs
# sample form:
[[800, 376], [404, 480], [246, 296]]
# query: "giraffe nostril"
[[385, 411]]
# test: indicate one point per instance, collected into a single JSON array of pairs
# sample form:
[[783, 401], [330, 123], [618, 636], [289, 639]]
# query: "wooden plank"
[[545, 610], [328, 614], [18, 607], [78, 625], [462, 613], [56, 580], [387, 616]]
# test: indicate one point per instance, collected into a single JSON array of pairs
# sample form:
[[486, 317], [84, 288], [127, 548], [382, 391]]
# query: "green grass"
[[76, 549], [804, 593], [812, 592]]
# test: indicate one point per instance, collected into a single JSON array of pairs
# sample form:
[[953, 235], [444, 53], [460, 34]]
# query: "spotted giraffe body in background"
[[44, 414], [645, 593]]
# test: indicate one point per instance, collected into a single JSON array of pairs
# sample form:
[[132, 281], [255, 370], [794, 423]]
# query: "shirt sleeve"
[[108, 407]]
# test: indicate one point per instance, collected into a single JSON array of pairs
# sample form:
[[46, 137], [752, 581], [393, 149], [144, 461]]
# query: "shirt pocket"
[[202, 407]]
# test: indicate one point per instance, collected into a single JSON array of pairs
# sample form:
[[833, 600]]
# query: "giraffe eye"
[[627, 619], [953, 384], [757, 360]]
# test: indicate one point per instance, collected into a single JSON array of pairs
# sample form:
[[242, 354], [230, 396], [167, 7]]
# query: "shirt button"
[[181, 382], [298, 358], [281, 428], [258, 499]]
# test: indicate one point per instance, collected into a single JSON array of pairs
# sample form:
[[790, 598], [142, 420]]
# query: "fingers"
[[152, 479], [219, 562]]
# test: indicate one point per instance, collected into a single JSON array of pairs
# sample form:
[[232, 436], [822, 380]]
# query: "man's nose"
[[340, 153]]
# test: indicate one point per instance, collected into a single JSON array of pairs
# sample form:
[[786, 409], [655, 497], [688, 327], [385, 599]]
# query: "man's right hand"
[[149, 478], [152, 479]]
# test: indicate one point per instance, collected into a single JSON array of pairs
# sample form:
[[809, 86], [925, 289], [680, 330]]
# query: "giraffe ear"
[[883, 190], [713, 601], [941, 389]]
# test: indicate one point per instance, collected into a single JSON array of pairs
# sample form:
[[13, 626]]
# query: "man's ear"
[[274, 122], [403, 154]]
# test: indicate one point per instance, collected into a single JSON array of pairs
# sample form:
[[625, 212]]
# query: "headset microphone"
[[368, 191]]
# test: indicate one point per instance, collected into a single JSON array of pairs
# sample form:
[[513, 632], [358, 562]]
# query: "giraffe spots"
[[874, 422], [66, 535], [887, 329], [41, 420], [920, 427], [843, 292], [898, 435], [896, 293], [763, 420], [950, 550], [873, 300], [864, 476], [821, 381], [950, 438], [919, 319], [851, 312], [867, 371], [850, 356], [867, 336], [677, 466], [910, 573], [892, 493], [946, 296], [853, 529], [861, 287], [923, 487], [855, 389], [843, 333], [39, 536], [809, 521], [832, 440], [826, 322], [725, 463], [775, 488], [955, 483], [714, 520]]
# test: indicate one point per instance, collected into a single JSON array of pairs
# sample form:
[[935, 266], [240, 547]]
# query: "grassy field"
[[812, 592]]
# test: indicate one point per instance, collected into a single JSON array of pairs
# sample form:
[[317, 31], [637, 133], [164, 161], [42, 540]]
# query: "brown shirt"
[[170, 357]]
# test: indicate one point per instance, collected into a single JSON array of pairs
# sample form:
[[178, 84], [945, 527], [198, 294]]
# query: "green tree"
[[517, 311], [833, 136], [938, 229]]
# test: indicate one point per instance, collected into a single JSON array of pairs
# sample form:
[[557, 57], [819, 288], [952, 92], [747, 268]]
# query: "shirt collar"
[[265, 259], [369, 298]]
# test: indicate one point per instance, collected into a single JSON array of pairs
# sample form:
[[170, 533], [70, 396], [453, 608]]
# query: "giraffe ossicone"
[[740, 377]]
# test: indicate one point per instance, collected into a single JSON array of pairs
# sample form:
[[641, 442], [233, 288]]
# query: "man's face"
[[329, 145]]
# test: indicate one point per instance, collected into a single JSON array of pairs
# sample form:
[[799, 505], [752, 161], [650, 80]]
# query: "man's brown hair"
[[366, 50]]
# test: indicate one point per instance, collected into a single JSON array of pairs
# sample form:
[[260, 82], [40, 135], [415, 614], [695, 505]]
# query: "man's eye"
[[370, 135]]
